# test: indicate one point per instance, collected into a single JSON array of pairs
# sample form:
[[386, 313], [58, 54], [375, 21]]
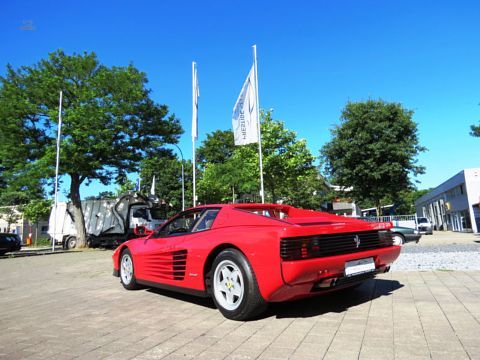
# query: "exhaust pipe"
[[327, 283]]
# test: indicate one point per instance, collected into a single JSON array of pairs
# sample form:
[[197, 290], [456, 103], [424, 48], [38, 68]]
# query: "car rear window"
[[272, 213]]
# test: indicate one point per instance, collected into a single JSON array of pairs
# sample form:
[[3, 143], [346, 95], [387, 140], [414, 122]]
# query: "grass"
[[42, 241]]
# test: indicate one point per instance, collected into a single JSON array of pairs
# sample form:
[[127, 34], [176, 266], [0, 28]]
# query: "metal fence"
[[408, 221]]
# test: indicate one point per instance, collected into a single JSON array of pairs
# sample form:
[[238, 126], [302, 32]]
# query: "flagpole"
[[260, 157], [194, 132], [57, 164]]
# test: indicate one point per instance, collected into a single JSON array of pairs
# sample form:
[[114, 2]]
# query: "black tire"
[[128, 282], [2, 253], [71, 243], [251, 303], [400, 236]]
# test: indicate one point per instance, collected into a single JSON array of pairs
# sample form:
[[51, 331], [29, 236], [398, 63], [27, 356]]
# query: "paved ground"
[[68, 305], [447, 238]]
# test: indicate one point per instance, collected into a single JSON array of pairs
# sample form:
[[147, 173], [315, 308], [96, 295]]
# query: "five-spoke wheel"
[[229, 285], [127, 274], [234, 286]]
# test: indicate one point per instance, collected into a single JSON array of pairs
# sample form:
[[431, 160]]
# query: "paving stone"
[[71, 307]]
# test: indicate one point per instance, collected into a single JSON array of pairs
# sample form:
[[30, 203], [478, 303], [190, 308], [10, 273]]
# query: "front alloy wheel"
[[127, 274]]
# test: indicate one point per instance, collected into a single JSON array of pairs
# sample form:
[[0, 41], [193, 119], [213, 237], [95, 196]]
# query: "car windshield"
[[422, 220], [189, 221]]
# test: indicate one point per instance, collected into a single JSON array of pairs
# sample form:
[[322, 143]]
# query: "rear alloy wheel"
[[127, 273], [398, 239], [229, 286], [234, 286]]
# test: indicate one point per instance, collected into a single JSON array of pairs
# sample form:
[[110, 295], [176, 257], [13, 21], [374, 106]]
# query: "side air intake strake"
[[167, 265]]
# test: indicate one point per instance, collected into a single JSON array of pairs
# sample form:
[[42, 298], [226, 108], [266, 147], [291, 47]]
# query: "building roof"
[[446, 185]]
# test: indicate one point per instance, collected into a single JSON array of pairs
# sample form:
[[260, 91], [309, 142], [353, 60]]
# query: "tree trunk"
[[379, 208], [77, 211], [271, 188]]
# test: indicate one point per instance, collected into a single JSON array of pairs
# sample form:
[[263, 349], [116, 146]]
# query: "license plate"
[[360, 266]]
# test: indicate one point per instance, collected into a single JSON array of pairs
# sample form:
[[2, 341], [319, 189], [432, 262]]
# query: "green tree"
[[475, 130], [10, 214], [125, 186], [36, 211], [308, 191], [109, 122], [102, 195], [168, 180], [224, 182], [217, 148], [18, 191], [405, 201], [11, 197], [289, 173], [373, 151]]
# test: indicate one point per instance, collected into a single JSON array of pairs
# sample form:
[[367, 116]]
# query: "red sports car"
[[247, 255]]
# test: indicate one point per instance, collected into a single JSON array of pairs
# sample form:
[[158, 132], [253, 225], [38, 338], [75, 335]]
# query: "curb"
[[26, 253]]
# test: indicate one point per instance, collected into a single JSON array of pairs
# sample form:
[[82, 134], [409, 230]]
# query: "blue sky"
[[313, 57]]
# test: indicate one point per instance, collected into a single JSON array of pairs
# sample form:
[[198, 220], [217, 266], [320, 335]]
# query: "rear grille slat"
[[330, 245]]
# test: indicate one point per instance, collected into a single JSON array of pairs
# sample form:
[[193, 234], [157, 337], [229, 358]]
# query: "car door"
[[159, 258]]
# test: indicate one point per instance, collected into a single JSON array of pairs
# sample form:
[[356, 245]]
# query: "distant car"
[[247, 255], [425, 226], [401, 235], [9, 242]]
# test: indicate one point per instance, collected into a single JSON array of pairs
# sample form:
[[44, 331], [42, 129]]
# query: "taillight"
[[300, 248], [385, 237]]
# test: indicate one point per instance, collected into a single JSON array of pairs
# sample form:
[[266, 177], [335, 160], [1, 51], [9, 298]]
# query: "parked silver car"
[[424, 226]]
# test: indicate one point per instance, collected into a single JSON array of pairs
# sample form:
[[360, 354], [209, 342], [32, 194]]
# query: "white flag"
[[245, 119], [195, 95], [152, 189]]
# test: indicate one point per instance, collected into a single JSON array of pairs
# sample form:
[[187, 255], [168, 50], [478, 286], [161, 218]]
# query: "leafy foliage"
[[10, 214], [289, 174], [217, 148], [475, 130], [109, 122], [168, 180], [373, 150], [37, 210], [125, 186], [404, 201], [405, 204], [102, 195]]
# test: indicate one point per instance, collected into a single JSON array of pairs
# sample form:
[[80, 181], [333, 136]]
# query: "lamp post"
[[183, 177]]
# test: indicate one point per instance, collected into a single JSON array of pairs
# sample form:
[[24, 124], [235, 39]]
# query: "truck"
[[108, 222]]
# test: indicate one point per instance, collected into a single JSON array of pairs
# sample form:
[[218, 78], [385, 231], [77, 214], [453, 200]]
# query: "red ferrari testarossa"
[[247, 255]]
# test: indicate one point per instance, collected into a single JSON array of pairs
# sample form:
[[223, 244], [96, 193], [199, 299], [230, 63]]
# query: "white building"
[[455, 204], [19, 225]]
